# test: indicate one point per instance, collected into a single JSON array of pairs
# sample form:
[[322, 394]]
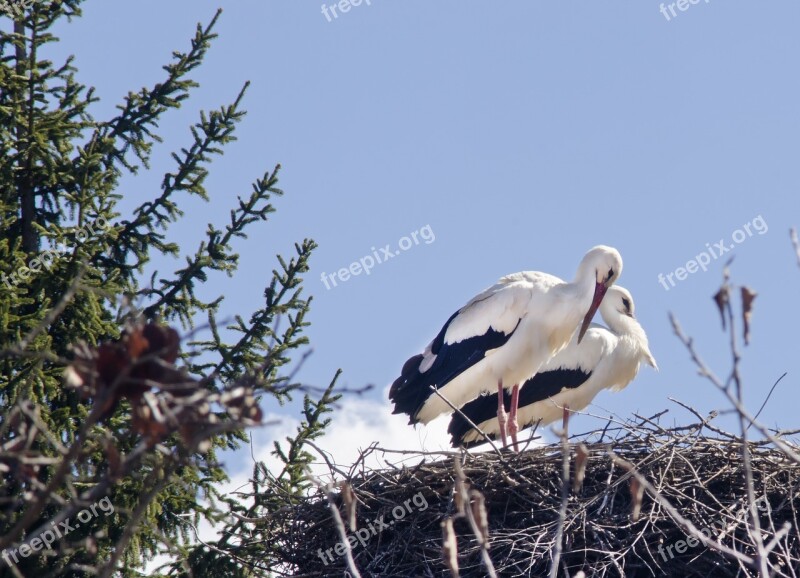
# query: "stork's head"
[[605, 263], [617, 302]]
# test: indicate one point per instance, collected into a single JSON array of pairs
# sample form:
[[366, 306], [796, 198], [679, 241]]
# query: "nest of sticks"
[[652, 501]]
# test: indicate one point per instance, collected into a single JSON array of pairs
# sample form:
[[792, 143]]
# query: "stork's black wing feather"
[[540, 387], [410, 391]]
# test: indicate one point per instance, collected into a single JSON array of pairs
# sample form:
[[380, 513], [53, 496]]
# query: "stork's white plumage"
[[605, 359], [502, 336]]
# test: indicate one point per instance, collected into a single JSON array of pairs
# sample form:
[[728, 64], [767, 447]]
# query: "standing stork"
[[604, 360], [502, 336]]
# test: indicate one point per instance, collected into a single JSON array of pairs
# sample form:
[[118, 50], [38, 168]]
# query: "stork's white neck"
[[586, 273], [630, 333]]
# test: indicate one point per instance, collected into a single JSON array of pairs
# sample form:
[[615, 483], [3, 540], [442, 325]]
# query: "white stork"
[[604, 360], [501, 337]]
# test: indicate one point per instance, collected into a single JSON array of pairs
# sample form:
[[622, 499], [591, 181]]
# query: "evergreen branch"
[[141, 111], [290, 484], [212, 254], [278, 302], [213, 131], [53, 151]]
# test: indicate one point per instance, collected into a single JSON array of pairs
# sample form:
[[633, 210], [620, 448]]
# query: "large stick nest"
[[698, 469]]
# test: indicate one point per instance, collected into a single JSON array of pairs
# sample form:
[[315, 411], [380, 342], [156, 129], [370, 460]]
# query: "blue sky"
[[522, 133]]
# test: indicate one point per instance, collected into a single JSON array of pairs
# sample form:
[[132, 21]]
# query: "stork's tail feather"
[[407, 392]]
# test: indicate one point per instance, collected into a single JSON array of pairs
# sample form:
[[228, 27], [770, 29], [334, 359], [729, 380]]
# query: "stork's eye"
[[626, 304], [610, 274]]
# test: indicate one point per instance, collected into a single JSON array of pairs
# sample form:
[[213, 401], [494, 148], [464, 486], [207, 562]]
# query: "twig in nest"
[[471, 503], [466, 418], [338, 522], [686, 524], [562, 511], [700, 477]]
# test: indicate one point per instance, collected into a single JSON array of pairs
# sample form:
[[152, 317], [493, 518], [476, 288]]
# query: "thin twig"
[[337, 521], [466, 418], [675, 515], [763, 405], [562, 511], [461, 482], [739, 407]]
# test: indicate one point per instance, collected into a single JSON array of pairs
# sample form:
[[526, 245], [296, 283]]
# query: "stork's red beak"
[[599, 292]]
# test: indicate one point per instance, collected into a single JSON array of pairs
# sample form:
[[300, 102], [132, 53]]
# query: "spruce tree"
[[72, 297]]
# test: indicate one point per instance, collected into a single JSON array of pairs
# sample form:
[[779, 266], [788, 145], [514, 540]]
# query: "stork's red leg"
[[501, 412], [513, 425]]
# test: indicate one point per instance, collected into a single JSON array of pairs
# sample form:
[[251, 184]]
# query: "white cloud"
[[357, 423]]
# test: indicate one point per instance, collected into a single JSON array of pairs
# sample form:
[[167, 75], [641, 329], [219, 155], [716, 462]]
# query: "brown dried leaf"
[[637, 492], [350, 505], [461, 488], [111, 360], [136, 344], [460, 496], [450, 547], [748, 296], [163, 341], [722, 299], [114, 460], [148, 421], [478, 504], [581, 458]]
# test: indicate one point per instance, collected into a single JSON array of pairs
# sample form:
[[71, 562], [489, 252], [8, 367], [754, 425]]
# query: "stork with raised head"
[[605, 359], [501, 337]]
